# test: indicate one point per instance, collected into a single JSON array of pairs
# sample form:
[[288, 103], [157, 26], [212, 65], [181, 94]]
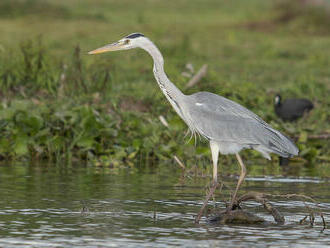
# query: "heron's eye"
[[126, 42]]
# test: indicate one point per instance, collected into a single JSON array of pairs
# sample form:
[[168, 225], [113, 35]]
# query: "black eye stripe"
[[134, 35]]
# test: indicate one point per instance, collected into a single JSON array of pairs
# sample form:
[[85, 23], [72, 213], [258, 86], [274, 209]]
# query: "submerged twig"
[[84, 210], [323, 221], [311, 212], [302, 221], [260, 197], [237, 215]]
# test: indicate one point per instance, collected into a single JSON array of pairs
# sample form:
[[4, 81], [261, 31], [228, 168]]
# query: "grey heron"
[[228, 126]]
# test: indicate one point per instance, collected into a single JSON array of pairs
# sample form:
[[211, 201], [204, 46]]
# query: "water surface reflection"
[[41, 207]]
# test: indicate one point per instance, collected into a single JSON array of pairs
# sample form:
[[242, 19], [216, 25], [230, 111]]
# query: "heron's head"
[[131, 41]]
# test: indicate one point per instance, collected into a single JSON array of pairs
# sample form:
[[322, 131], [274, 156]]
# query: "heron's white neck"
[[172, 93]]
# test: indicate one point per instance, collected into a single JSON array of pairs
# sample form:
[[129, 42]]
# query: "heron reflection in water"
[[228, 126]]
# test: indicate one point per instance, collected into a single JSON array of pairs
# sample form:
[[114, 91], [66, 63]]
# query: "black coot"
[[291, 109]]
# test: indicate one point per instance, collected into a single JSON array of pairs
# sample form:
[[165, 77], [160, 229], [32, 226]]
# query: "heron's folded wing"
[[218, 118]]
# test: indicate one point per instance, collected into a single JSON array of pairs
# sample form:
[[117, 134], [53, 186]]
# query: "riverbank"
[[58, 103]]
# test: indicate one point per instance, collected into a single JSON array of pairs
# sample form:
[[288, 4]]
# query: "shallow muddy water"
[[77, 206]]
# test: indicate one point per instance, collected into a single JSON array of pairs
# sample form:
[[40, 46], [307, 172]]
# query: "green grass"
[[58, 102]]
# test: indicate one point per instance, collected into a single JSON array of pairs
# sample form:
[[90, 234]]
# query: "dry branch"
[[288, 196], [259, 197], [311, 212], [319, 136], [163, 121], [179, 162], [197, 77], [237, 215], [322, 136]]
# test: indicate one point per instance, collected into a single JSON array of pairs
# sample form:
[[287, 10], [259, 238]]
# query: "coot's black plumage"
[[292, 109]]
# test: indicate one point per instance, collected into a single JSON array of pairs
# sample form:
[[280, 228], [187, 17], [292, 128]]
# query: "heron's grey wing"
[[221, 119]]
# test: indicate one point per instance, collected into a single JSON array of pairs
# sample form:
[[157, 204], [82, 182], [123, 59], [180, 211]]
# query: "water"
[[77, 206]]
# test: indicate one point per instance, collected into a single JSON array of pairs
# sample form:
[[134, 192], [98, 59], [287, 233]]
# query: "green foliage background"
[[59, 103]]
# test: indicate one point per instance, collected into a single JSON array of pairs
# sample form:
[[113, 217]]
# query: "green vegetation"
[[57, 102]]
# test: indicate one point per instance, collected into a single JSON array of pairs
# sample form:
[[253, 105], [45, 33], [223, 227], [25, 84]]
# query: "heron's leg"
[[215, 154], [240, 180]]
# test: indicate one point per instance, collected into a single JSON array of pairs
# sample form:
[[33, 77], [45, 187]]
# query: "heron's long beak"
[[108, 48]]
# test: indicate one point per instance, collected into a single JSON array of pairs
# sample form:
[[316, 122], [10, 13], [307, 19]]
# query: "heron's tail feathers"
[[279, 144]]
